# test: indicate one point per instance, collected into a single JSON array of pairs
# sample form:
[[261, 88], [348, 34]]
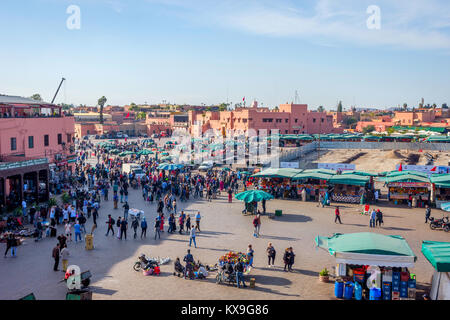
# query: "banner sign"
[[336, 166], [293, 165], [409, 184], [21, 164], [427, 169]]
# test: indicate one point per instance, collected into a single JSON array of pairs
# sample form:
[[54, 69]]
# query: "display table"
[[346, 198]]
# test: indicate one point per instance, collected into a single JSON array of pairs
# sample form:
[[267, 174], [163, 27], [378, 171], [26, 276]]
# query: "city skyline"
[[194, 52]]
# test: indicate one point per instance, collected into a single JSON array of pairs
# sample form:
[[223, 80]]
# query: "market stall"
[[349, 188], [233, 257], [371, 266], [251, 197], [408, 188], [441, 188], [438, 254], [313, 181], [272, 178]]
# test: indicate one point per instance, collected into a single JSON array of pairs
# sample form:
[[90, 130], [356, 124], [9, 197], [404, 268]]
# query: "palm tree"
[[339, 107], [320, 109], [36, 97], [101, 103]]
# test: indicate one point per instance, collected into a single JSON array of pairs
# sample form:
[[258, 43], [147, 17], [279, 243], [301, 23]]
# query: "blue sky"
[[200, 51]]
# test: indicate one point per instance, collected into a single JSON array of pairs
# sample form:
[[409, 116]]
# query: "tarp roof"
[[438, 254], [317, 174], [368, 248], [406, 178], [360, 173], [441, 180], [350, 179], [277, 173]]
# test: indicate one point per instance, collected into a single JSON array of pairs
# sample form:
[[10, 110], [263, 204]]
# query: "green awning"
[[368, 248], [316, 174], [406, 172], [406, 178], [438, 254], [350, 179], [441, 180], [360, 173], [277, 173]]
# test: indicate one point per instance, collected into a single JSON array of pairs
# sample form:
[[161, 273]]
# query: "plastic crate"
[[412, 283], [395, 276]]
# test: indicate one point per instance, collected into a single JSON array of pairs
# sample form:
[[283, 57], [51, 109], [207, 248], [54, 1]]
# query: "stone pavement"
[[224, 228]]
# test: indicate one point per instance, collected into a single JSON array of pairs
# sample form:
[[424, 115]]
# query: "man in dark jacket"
[[427, 214], [239, 268], [55, 255]]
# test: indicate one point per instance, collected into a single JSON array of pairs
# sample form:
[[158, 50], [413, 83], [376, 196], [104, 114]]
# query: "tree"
[[36, 97], [133, 106], [141, 115], [223, 106], [339, 107], [444, 106], [390, 131], [101, 103], [368, 129], [320, 109], [350, 121], [405, 106]]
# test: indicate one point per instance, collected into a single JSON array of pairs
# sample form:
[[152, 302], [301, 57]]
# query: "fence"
[[385, 145]]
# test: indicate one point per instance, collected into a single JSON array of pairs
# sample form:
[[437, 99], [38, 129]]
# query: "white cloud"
[[410, 24]]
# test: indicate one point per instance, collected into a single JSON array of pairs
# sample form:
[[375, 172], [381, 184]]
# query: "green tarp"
[[316, 174], [277, 173], [350, 179], [441, 180], [361, 173], [438, 254], [365, 243], [406, 178]]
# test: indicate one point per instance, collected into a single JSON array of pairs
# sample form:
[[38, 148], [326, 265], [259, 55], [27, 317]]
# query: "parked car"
[[206, 165]]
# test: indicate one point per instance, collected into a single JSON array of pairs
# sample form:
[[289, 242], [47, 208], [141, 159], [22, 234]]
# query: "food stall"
[[441, 188], [273, 177], [371, 266], [402, 186], [349, 188], [438, 254], [233, 257], [314, 181]]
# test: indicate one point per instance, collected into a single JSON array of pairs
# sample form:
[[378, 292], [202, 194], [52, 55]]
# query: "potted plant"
[[324, 275], [52, 202], [65, 198]]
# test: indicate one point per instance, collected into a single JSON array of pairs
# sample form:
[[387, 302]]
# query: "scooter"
[[144, 263], [446, 225], [438, 223]]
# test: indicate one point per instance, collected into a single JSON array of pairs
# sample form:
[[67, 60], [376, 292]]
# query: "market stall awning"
[[349, 179], [406, 178], [367, 248], [438, 254], [253, 195], [277, 173], [405, 172], [316, 174], [361, 173], [441, 180]]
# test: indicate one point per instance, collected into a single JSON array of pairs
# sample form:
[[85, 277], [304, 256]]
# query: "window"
[[314, 120], [30, 142], [279, 120], [46, 140], [69, 137], [296, 120], [13, 144], [59, 138], [286, 120], [321, 119], [286, 131]]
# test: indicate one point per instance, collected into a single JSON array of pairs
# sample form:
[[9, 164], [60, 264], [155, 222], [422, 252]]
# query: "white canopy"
[[375, 259]]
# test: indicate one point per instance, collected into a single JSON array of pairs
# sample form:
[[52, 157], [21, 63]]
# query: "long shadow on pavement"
[[293, 218]]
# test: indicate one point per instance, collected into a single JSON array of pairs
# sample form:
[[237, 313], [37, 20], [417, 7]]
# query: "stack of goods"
[[396, 286], [233, 258]]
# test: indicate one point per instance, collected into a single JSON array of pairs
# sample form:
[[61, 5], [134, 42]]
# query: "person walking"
[[192, 237], [181, 221], [157, 228], [143, 228], [271, 254], [257, 225], [135, 225], [126, 208], [337, 215], [65, 257], [115, 199], [427, 213], [286, 258], [291, 259], [68, 230], [110, 223], [239, 269], [379, 216], [373, 216], [55, 255], [230, 195], [189, 259], [77, 231], [198, 217], [9, 243], [171, 223], [82, 221], [188, 223], [123, 228], [250, 254], [161, 224]]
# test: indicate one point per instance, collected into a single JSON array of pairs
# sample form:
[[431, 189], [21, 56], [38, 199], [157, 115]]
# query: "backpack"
[[113, 221]]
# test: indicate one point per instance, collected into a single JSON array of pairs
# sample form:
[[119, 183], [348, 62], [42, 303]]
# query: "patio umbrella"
[[253, 195], [126, 153], [169, 166], [164, 153], [145, 152], [226, 169], [166, 158]]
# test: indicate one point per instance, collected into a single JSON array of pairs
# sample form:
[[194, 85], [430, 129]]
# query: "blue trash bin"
[[375, 294], [358, 291], [339, 289], [348, 291]]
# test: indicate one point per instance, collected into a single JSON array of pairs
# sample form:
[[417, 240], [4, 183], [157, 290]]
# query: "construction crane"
[[62, 80]]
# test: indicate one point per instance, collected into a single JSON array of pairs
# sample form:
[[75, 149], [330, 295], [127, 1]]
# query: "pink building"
[[288, 118], [32, 135]]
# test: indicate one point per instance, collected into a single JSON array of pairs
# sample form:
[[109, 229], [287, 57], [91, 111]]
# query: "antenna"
[[297, 97]]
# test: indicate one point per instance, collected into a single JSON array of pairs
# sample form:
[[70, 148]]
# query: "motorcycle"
[[145, 263], [446, 225], [438, 223]]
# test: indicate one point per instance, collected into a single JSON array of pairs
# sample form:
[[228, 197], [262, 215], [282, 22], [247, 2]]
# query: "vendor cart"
[[138, 214]]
